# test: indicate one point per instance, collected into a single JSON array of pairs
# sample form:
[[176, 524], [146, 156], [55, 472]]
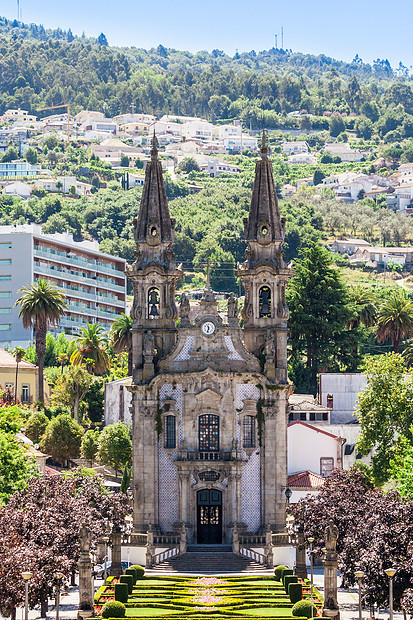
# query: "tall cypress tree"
[[320, 311]]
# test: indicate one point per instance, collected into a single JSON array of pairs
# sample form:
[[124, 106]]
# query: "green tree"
[[384, 410], [395, 319], [62, 439], [121, 336], [36, 426], [124, 161], [41, 306], [16, 466], [401, 465], [31, 155], [89, 446], [126, 478], [337, 126], [91, 349], [189, 164], [319, 309], [10, 155], [115, 446], [18, 353], [70, 389], [318, 177]]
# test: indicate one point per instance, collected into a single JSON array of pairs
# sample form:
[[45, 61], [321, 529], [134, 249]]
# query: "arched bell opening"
[[264, 302], [153, 303]]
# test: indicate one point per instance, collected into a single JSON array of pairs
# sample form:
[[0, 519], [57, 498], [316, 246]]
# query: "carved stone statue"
[[269, 345], [232, 308], [85, 539], [184, 309], [148, 345], [331, 536]]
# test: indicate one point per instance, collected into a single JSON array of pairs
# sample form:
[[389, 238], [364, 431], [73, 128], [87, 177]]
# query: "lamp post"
[[390, 572], [26, 576], [59, 577], [288, 494], [311, 540], [359, 576], [105, 571]]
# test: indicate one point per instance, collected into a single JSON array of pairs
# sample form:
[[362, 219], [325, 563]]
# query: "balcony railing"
[[196, 455]]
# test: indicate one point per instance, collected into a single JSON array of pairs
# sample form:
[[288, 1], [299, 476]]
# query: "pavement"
[[347, 600]]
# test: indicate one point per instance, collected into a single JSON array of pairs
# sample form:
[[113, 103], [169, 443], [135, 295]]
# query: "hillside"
[[39, 67]]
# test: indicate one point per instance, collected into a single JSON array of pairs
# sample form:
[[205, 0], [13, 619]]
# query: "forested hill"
[[41, 67]]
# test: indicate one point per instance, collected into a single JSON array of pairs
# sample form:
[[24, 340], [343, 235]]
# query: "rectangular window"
[[5, 293], [5, 310], [248, 427], [326, 466], [25, 393], [5, 261], [170, 432], [5, 277], [5, 245], [4, 326]]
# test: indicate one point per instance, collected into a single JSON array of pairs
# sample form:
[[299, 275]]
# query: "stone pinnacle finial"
[[264, 149], [154, 149]]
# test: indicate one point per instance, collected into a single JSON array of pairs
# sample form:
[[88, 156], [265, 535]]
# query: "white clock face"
[[208, 328]]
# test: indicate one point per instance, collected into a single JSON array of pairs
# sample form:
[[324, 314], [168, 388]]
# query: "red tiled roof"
[[7, 361], [314, 428], [49, 471], [305, 479]]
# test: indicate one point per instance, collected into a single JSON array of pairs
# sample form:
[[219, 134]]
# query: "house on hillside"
[[27, 375], [293, 148], [384, 256], [344, 151], [348, 246]]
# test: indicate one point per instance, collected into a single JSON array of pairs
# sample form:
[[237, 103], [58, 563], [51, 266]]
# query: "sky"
[[370, 28]]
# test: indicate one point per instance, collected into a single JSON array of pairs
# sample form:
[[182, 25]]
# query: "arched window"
[[264, 302], [248, 431], [208, 433], [153, 303], [170, 432]]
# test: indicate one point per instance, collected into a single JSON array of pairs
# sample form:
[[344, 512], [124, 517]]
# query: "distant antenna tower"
[[282, 37], [18, 9], [276, 44]]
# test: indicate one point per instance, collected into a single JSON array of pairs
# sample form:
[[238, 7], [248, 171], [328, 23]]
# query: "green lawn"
[[193, 598]]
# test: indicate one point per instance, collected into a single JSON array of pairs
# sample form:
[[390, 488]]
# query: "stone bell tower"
[[153, 275], [265, 275]]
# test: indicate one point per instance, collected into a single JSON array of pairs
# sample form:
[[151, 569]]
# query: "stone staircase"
[[209, 559]]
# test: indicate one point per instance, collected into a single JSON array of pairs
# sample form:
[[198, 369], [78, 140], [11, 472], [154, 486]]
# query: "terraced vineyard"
[[205, 597]]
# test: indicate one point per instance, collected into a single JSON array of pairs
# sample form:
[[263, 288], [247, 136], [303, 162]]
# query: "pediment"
[[208, 399]]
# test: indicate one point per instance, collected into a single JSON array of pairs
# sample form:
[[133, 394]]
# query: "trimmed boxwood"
[[121, 592], [140, 571], [284, 572], [132, 571], [113, 609], [127, 579], [278, 571], [295, 592], [289, 579], [303, 609]]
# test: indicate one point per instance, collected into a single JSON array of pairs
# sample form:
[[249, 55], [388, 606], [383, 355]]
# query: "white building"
[[197, 130], [18, 188], [302, 158], [94, 283], [293, 148], [338, 392], [101, 124], [348, 246], [344, 151], [227, 131], [19, 115], [241, 142], [214, 167]]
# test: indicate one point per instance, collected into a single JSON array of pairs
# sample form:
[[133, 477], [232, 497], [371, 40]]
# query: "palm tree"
[[395, 319], [91, 350], [18, 353], [121, 336], [41, 306], [364, 305]]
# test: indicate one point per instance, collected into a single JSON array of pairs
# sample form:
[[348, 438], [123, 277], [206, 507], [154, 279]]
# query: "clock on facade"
[[208, 328]]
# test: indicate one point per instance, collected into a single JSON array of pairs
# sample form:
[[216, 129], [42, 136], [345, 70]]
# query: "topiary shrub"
[[140, 571], [289, 579], [285, 572], [303, 609], [132, 571], [113, 609], [278, 571], [127, 579], [121, 592], [295, 592]]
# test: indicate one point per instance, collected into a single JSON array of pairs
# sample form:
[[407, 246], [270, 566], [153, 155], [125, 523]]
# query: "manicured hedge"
[[129, 580], [295, 592], [113, 609], [303, 608], [133, 572], [278, 571], [289, 579], [121, 592], [140, 571], [284, 572]]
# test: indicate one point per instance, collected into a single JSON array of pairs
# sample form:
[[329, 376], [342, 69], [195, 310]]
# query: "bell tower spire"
[[264, 274], [153, 275]]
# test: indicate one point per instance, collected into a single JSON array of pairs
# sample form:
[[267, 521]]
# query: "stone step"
[[209, 549], [207, 562]]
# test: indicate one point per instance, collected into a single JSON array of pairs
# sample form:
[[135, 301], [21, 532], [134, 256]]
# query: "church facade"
[[209, 397]]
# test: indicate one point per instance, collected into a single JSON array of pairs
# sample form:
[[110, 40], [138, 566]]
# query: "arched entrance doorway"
[[209, 517]]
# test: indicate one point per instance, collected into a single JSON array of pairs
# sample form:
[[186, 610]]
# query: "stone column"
[[183, 479], [300, 558], [182, 539], [330, 609], [268, 550], [116, 564], [150, 549], [85, 573], [235, 540]]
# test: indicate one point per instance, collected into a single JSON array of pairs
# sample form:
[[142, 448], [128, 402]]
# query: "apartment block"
[[94, 283]]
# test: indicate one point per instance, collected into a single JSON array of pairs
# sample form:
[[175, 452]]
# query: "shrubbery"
[[113, 609], [303, 609], [121, 592], [140, 571], [128, 579], [295, 592], [278, 571], [289, 579]]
